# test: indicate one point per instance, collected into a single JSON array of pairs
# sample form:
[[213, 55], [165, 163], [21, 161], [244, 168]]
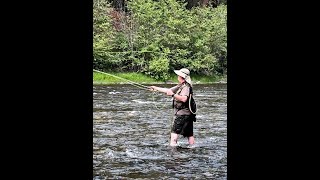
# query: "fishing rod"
[[134, 84], [130, 82]]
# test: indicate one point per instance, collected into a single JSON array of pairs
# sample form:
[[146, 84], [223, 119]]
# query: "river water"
[[131, 129]]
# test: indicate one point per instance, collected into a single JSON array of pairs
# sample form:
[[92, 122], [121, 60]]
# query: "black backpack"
[[192, 105]]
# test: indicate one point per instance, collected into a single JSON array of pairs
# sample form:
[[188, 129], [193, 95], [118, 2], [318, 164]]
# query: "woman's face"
[[180, 79]]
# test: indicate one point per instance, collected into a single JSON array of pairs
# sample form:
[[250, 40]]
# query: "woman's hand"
[[169, 92], [152, 88]]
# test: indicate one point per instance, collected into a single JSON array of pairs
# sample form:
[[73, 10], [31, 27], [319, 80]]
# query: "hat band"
[[184, 73]]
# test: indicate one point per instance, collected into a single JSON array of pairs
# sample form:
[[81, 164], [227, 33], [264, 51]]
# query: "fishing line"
[[136, 85], [130, 82], [164, 104]]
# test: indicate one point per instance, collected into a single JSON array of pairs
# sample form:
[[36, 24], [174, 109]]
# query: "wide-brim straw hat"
[[185, 74]]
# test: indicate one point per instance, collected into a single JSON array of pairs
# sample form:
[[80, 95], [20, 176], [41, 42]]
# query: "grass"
[[99, 78]]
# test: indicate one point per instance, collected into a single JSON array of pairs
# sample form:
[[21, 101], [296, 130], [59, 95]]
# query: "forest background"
[[145, 40]]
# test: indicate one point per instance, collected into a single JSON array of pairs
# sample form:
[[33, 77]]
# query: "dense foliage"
[[157, 36]]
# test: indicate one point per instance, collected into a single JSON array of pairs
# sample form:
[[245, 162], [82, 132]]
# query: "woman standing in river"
[[183, 118]]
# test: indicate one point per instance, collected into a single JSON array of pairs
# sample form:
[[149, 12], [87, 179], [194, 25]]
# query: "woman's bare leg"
[[174, 139], [191, 140]]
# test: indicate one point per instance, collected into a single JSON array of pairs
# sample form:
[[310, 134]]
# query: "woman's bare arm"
[[169, 93], [180, 98], [164, 90]]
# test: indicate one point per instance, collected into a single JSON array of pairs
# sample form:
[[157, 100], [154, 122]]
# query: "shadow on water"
[[131, 135]]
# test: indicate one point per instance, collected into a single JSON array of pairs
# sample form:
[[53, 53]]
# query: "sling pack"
[[192, 103]]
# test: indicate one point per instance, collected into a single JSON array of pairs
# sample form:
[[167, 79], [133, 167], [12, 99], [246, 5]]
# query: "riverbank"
[[99, 78]]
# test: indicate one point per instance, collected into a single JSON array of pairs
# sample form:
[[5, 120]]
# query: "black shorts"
[[183, 124]]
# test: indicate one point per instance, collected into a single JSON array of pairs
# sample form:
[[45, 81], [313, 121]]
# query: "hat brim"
[[179, 73], [188, 80]]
